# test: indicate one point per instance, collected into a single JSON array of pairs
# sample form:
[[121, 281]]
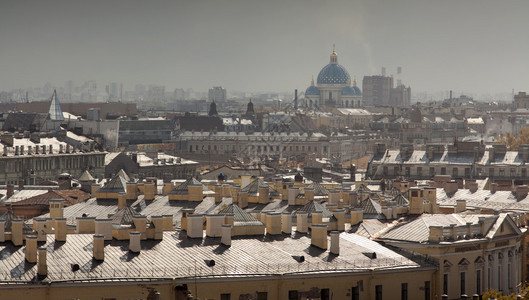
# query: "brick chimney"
[[140, 222], [451, 187], [293, 192], [264, 195], [56, 208], [286, 223], [226, 234], [436, 234], [104, 227], [339, 214], [39, 225], [195, 226], [301, 220], [42, 266], [521, 191], [16, 232], [99, 247], [319, 236], [157, 222], [31, 249], [273, 223], [461, 205], [357, 216], [2, 230], [195, 192], [335, 242], [10, 190], [334, 196], [213, 225], [167, 222], [60, 229], [243, 199], [493, 187], [149, 191], [135, 242], [132, 191]]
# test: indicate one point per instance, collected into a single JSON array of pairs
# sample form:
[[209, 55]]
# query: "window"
[[262, 295], [454, 171], [419, 171], [445, 284], [502, 172], [408, 171], [292, 295], [524, 172], [404, 291], [427, 290], [467, 172], [443, 171], [508, 275], [478, 282], [355, 292], [325, 294], [491, 172], [462, 283], [378, 292], [225, 296]]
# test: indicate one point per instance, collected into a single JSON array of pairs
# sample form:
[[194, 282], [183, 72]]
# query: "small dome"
[[348, 91], [357, 90], [333, 74], [312, 91]]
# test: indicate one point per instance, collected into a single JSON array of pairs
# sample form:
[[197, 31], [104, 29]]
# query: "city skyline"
[[272, 46]]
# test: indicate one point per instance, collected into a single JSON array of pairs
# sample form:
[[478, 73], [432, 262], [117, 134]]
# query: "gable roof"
[[315, 206], [370, 207], [253, 188], [240, 217], [86, 176], [124, 216], [183, 188]]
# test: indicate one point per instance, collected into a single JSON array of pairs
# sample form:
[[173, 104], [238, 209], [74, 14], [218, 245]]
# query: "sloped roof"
[[253, 188], [86, 176], [315, 206], [123, 174], [8, 217], [183, 188], [401, 200], [124, 216], [319, 190], [117, 184], [371, 207], [240, 217], [70, 197]]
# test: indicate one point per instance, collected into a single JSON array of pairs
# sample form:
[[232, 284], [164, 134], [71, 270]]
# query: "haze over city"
[[474, 47]]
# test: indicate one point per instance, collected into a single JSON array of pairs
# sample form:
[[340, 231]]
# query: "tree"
[[512, 141]]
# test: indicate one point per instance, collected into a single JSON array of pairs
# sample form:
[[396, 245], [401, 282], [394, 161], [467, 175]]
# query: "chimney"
[[99, 247], [493, 187], [16, 232], [94, 187], [286, 223], [167, 187], [453, 232], [357, 216], [335, 242], [436, 234], [226, 235], [31, 249], [451, 187], [157, 222], [195, 226], [292, 194], [60, 229], [319, 236], [229, 219], [301, 220], [264, 195], [339, 214], [273, 223], [214, 225], [42, 267], [243, 199], [346, 196], [195, 192], [132, 191], [472, 187], [39, 225], [317, 218], [218, 193], [135, 242], [122, 200], [20, 184], [183, 220], [235, 193], [521, 191], [150, 191], [104, 227], [10, 190], [334, 196], [461, 205], [167, 222], [469, 229], [56, 208], [2, 230], [309, 194], [140, 222]]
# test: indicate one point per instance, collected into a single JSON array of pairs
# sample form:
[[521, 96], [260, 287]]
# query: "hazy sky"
[[475, 46]]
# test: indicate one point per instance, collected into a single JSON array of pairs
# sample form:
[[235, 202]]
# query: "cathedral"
[[333, 87]]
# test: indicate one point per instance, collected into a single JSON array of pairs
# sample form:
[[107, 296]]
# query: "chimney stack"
[[31, 249], [461, 205], [39, 225], [226, 234], [213, 225], [334, 196], [134, 242], [273, 223], [335, 242], [10, 190], [157, 222], [195, 226], [292, 194], [301, 222], [319, 236], [140, 222], [104, 227], [122, 200], [16, 232], [317, 218], [56, 208], [60, 229], [243, 199], [2, 230], [42, 267], [99, 247], [286, 223], [167, 222]]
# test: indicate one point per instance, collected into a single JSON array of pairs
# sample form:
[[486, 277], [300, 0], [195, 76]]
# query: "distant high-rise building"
[[179, 94], [156, 93], [377, 90], [217, 93], [521, 100]]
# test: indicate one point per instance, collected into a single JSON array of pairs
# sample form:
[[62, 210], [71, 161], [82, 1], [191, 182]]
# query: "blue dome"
[[333, 74], [312, 90], [348, 91], [358, 92]]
